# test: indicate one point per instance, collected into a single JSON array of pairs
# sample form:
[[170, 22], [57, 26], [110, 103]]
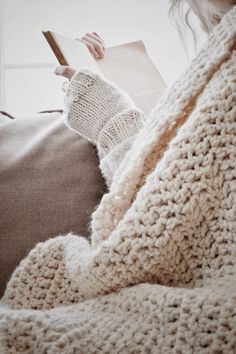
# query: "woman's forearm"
[[103, 114]]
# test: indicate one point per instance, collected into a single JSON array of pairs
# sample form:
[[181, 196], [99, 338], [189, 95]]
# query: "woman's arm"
[[100, 111], [103, 114]]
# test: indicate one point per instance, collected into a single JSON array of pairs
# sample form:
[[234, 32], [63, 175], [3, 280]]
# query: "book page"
[[130, 67]]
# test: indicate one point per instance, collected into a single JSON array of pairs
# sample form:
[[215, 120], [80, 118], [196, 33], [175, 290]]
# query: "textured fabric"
[[110, 122], [49, 183], [159, 276]]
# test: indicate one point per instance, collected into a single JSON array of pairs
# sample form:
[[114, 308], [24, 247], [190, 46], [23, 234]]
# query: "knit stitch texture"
[[159, 275]]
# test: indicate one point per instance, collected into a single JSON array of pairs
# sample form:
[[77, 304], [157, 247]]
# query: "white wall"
[[27, 62]]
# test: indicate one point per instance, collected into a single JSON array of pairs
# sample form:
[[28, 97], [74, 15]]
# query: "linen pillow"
[[49, 185]]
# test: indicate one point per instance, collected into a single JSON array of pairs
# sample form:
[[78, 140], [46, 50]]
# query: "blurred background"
[[27, 81]]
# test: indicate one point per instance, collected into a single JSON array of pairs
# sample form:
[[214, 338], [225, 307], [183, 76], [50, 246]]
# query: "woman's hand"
[[95, 45]]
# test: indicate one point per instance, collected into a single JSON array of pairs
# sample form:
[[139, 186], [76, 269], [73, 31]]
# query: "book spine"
[[55, 48]]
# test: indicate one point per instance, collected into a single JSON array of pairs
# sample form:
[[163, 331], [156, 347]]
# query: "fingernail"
[[58, 70]]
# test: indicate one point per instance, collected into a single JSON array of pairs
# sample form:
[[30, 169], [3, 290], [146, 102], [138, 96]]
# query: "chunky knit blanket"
[[159, 275]]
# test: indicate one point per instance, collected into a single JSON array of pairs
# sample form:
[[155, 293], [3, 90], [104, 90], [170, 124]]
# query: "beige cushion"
[[49, 185]]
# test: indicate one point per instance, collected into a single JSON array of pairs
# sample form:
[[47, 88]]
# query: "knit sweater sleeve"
[[105, 115]]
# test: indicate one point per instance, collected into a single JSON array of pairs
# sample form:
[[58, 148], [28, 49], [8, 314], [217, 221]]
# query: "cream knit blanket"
[[159, 276]]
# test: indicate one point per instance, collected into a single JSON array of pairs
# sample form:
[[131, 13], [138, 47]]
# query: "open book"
[[127, 65]]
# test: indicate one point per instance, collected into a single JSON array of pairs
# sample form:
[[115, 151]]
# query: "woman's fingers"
[[90, 47], [95, 44], [95, 36], [65, 71]]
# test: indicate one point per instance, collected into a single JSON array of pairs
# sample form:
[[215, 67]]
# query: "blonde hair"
[[209, 12]]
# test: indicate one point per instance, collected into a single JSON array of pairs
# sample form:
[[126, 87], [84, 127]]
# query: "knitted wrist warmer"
[[102, 113], [91, 101], [118, 129]]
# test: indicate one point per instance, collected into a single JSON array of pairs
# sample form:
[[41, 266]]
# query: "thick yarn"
[[159, 276]]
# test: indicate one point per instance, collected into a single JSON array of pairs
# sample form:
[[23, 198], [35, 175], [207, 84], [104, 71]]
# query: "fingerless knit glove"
[[104, 114]]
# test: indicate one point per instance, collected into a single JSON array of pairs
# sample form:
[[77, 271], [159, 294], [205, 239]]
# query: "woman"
[[163, 238]]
